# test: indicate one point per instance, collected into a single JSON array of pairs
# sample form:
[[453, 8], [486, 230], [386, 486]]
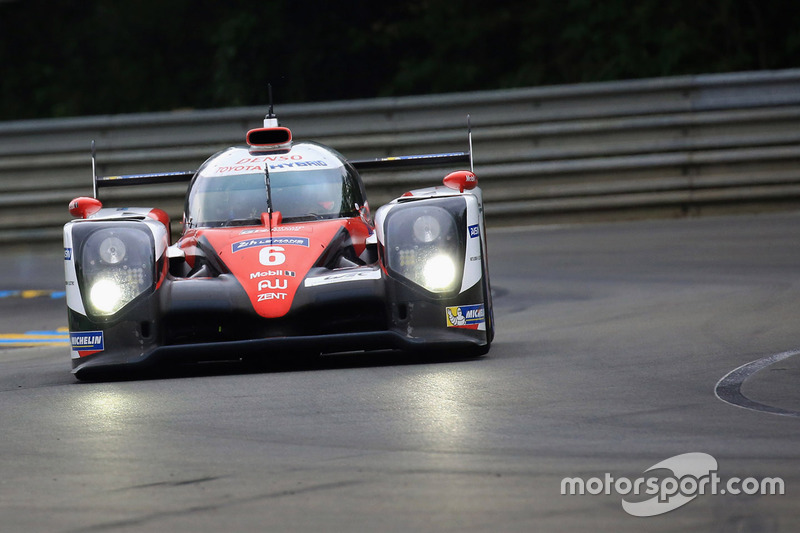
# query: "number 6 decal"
[[271, 256]]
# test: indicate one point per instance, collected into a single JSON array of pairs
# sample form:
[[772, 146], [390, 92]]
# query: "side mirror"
[[461, 180], [84, 207], [163, 217]]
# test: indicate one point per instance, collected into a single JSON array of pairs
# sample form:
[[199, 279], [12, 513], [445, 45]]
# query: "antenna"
[[469, 135], [271, 110], [269, 189], [94, 171], [269, 196], [270, 121]]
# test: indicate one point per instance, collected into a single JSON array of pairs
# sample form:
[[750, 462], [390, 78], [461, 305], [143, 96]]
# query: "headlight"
[[438, 273], [106, 296], [112, 250], [116, 266], [425, 243], [426, 228]]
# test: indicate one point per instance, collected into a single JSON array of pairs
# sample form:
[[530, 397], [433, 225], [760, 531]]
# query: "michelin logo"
[[87, 341], [465, 316]]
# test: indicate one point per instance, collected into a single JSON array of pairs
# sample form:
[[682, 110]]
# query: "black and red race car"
[[279, 254]]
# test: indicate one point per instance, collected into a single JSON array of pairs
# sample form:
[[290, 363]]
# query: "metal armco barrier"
[[654, 147]]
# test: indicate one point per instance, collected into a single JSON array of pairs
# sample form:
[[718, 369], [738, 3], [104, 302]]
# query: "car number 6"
[[271, 256]]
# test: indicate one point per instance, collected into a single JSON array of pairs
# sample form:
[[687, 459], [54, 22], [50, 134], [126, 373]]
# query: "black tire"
[[487, 296]]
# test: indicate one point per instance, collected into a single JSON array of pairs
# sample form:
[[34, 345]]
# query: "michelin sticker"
[[87, 342], [465, 316]]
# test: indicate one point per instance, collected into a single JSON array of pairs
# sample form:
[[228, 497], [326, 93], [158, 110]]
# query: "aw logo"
[[273, 284]]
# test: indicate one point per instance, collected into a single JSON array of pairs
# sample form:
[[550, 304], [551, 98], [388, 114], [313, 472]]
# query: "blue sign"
[[270, 241], [87, 341]]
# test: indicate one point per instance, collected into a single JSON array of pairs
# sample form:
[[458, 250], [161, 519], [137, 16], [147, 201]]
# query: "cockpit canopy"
[[307, 182]]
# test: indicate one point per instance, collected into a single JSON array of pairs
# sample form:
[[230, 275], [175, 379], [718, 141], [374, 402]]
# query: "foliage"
[[66, 58]]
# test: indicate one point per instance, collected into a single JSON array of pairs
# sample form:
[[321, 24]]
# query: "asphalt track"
[[616, 346]]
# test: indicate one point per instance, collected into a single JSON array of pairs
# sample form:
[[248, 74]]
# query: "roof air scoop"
[[270, 138]]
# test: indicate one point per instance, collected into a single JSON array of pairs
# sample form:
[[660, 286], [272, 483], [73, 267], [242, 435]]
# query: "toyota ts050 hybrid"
[[279, 254]]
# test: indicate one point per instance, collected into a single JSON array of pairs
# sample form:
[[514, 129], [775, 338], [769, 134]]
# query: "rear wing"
[[134, 179], [427, 160], [406, 161], [142, 179], [382, 163], [270, 128]]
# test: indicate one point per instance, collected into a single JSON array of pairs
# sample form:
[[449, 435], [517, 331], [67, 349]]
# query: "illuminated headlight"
[[116, 267], [424, 243], [438, 273], [105, 296]]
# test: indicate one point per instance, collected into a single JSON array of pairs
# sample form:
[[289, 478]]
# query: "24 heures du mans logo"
[[671, 483]]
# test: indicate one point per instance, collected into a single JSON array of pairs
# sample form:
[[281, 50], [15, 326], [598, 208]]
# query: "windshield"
[[240, 199]]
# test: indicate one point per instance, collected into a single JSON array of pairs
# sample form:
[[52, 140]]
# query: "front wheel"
[[487, 301]]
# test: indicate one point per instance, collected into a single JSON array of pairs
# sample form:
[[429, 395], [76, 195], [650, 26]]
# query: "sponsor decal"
[[271, 256], [273, 230], [270, 158], [288, 165], [67, 254], [342, 277], [87, 342], [269, 241], [474, 231], [269, 273], [465, 316], [298, 164], [299, 159], [280, 284], [240, 168], [271, 296]]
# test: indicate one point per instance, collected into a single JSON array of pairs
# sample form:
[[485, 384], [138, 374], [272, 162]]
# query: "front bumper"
[[449, 342], [212, 320]]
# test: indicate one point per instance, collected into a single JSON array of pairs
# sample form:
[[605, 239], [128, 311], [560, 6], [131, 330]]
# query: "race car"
[[278, 255]]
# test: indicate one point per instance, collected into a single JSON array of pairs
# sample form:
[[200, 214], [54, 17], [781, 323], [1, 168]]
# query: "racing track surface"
[[611, 341]]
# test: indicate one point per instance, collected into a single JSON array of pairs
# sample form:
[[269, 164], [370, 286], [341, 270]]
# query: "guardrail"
[[654, 147]]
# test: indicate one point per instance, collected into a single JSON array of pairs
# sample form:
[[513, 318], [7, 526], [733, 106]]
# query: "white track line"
[[729, 388]]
